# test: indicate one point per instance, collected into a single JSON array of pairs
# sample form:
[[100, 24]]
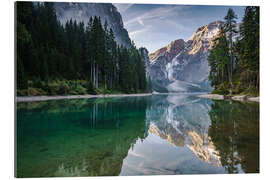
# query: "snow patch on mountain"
[[183, 66]]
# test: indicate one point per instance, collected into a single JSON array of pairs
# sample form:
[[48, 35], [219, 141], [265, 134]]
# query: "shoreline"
[[234, 98], [88, 96], [47, 98]]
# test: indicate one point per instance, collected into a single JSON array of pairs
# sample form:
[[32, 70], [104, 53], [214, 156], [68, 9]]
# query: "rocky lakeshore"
[[47, 98], [234, 98]]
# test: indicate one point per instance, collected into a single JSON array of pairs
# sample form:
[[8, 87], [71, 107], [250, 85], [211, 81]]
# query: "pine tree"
[[240, 57], [219, 61], [230, 29], [48, 51], [249, 42]]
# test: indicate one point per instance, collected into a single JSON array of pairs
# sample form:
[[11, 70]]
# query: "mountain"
[[83, 11], [182, 66], [184, 122], [144, 54]]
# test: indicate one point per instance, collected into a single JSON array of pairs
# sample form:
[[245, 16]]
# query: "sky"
[[156, 25]]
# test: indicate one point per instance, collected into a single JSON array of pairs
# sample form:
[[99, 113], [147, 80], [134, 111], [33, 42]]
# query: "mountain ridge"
[[184, 62], [81, 12]]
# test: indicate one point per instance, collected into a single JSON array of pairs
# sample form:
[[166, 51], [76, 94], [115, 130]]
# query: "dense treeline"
[[73, 58], [234, 59]]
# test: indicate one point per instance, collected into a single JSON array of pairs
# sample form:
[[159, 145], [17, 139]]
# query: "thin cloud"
[[122, 8], [161, 12], [134, 33], [154, 26], [140, 21]]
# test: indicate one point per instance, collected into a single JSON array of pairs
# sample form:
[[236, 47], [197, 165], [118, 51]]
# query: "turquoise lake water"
[[149, 135]]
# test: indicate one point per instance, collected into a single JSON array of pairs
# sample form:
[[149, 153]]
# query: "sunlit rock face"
[[203, 148], [184, 121], [81, 12], [169, 133], [182, 66], [169, 51]]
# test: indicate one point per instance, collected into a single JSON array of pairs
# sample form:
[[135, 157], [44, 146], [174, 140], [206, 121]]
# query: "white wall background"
[[7, 90]]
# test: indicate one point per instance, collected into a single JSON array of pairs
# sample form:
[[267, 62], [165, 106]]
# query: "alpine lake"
[[163, 134]]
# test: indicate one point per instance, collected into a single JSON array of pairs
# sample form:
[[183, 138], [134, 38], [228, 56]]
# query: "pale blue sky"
[[154, 26]]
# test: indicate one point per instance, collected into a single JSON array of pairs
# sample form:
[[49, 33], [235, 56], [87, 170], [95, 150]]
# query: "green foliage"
[[57, 87], [249, 46], [218, 60], [90, 88], [21, 92], [53, 88], [72, 59], [222, 89], [63, 88], [234, 66]]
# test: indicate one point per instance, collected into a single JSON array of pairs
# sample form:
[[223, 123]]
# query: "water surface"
[[159, 134]]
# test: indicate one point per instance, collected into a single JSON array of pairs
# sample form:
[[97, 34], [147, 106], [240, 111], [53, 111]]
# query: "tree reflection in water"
[[77, 137], [234, 131], [162, 134]]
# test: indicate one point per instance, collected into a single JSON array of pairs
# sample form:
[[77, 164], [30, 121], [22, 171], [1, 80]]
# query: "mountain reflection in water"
[[183, 122], [160, 134]]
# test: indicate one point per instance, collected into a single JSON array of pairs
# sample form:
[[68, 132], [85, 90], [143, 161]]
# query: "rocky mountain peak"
[[169, 51], [182, 66], [207, 31], [202, 39]]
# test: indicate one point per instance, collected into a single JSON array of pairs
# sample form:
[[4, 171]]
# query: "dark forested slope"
[[74, 58]]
